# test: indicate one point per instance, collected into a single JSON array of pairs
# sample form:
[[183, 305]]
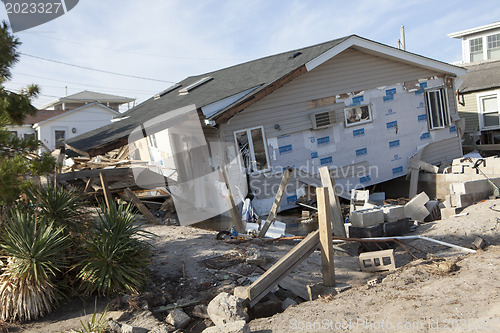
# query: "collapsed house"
[[357, 106]]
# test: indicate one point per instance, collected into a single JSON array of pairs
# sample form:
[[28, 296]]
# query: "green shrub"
[[34, 257], [116, 254]]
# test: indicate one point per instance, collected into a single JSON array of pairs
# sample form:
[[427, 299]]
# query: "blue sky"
[[172, 39]]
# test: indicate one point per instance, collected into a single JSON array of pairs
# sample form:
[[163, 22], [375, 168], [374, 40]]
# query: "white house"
[[52, 127], [479, 90]]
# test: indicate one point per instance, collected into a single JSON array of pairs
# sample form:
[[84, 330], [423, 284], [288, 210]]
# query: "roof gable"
[[67, 112]]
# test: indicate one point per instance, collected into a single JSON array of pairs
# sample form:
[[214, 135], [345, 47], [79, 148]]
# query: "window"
[[60, 136], [29, 136], [476, 49], [357, 115], [252, 146], [494, 46], [488, 107], [437, 108]]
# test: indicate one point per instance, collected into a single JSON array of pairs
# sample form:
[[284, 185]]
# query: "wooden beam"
[[145, 212], [338, 221], [95, 173], [88, 184], [277, 201], [235, 213], [105, 189], [325, 236], [267, 281]]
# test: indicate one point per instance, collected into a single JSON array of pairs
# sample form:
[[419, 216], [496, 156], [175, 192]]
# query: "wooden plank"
[[277, 201], [338, 221], [105, 189], [267, 281], [88, 184], [235, 213], [95, 173], [325, 236], [145, 212]]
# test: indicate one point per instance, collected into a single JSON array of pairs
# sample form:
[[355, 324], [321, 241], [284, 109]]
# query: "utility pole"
[[402, 42]]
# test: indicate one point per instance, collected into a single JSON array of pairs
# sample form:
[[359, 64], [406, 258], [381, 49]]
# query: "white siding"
[[82, 120], [349, 71]]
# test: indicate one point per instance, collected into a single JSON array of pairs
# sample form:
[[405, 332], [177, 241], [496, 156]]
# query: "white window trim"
[[484, 38], [248, 130], [480, 112], [358, 122], [446, 108]]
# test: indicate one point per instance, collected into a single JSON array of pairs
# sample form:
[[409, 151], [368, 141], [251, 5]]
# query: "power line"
[[81, 84], [94, 69]]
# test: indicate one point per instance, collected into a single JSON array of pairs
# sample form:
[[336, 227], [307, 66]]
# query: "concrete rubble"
[[225, 308]]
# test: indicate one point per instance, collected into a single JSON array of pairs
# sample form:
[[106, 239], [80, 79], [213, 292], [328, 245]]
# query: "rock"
[[287, 303], [255, 257], [126, 328], [178, 318], [239, 326], [160, 329], [114, 326], [200, 311], [225, 308]]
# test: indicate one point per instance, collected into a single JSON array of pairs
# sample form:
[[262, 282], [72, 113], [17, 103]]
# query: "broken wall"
[[363, 152]]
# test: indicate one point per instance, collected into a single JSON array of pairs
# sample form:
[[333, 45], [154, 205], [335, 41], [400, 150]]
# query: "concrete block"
[[177, 318], [469, 170], [397, 228], [360, 195], [462, 200], [479, 243], [377, 261], [447, 201], [447, 212], [393, 213], [373, 231], [367, 218], [415, 208], [457, 169]]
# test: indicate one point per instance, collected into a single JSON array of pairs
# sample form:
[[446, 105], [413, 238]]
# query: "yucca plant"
[[57, 204], [116, 253], [33, 250]]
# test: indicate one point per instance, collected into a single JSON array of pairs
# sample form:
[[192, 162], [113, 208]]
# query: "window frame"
[[445, 108], [488, 42], [476, 52], [56, 146], [481, 112], [359, 122], [252, 150]]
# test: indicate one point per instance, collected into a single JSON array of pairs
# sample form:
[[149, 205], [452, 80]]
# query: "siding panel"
[[350, 71]]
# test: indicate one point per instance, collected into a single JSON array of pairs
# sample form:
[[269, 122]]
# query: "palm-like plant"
[[34, 257], [57, 204], [116, 254]]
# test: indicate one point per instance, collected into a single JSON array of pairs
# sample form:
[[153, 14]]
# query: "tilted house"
[[357, 106]]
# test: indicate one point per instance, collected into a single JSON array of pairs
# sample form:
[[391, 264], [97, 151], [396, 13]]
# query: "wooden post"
[[88, 184], [336, 213], [277, 201], [145, 212], [325, 237], [257, 290], [108, 198], [235, 213]]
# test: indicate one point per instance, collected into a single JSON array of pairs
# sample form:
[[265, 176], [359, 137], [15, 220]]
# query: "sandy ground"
[[190, 267]]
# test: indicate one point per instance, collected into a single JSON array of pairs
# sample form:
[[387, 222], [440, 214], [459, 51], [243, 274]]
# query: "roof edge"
[[471, 31]]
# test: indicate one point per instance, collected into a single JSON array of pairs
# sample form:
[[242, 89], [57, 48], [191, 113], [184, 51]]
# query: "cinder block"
[[447, 201], [393, 213], [415, 208], [462, 200], [469, 170], [447, 212], [479, 243], [489, 171], [377, 261], [457, 169], [360, 195], [367, 218]]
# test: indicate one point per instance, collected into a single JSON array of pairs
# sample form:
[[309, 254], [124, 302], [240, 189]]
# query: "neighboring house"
[[85, 97], [53, 127], [357, 106], [479, 90]]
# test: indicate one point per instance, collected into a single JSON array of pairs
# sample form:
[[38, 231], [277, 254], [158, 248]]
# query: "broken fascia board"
[[390, 52]]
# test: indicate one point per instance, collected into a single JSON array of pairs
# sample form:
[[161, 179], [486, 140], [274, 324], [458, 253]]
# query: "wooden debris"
[[235, 213], [277, 201], [145, 212]]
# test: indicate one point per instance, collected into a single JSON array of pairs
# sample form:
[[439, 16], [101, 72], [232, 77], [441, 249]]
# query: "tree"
[[15, 164]]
